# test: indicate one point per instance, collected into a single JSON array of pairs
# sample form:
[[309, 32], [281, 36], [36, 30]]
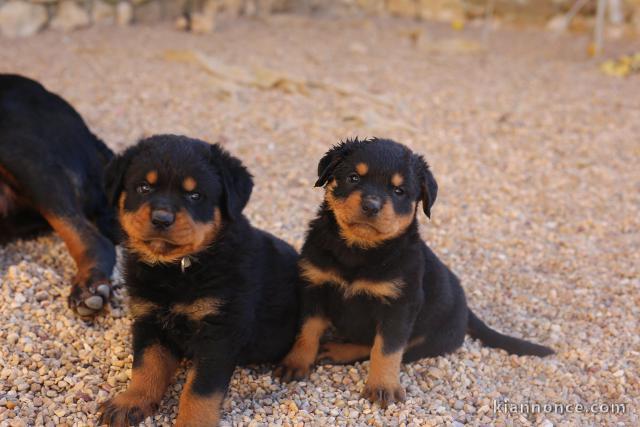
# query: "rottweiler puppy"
[[204, 285], [367, 272], [51, 177]]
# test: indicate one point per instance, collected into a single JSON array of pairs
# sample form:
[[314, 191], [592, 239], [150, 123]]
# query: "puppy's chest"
[[353, 286]]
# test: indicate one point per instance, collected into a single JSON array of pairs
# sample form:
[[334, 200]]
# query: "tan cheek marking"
[[384, 370], [362, 169], [199, 309], [305, 349], [196, 410], [397, 180], [190, 235], [189, 184], [152, 177]]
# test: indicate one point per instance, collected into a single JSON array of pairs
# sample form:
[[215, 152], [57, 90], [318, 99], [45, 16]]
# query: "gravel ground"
[[536, 153]]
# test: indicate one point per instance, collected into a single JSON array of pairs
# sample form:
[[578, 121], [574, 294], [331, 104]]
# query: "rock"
[[70, 16], [442, 10], [20, 19], [558, 23], [124, 13], [403, 8], [103, 13], [375, 7], [12, 338]]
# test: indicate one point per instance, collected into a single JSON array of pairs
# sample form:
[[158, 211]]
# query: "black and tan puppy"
[[51, 169], [368, 274], [204, 284]]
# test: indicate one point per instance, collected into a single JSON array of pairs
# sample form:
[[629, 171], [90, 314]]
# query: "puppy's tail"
[[476, 328]]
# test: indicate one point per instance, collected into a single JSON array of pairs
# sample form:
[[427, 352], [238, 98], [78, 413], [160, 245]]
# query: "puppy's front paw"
[[291, 370], [88, 300], [384, 394], [126, 409]]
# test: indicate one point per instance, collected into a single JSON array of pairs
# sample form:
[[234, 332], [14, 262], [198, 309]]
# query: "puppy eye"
[[398, 191], [194, 196], [143, 188], [353, 178]]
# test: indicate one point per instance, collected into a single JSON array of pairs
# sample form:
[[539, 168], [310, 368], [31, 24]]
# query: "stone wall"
[[19, 18]]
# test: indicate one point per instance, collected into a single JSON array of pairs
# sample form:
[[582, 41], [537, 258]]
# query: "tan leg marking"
[[149, 382], [75, 243], [199, 309], [298, 362], [343, 353], [195, 410], [383, 384]]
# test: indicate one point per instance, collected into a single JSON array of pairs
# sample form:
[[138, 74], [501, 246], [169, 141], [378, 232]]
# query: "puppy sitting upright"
[[369, 275], [204, 284]]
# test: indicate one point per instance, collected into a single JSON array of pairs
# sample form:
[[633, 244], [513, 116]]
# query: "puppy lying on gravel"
[[51, 168], [369, 275], [204, 284]]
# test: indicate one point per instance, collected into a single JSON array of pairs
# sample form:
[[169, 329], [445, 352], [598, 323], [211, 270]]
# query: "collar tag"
[[185, 263]]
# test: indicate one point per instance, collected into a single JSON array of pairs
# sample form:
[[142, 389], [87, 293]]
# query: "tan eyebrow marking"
[[152, 177], [362, 168], [189, 184], [397, 179]]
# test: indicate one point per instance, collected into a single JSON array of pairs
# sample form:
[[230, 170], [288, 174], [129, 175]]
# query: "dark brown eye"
[[143, 188], [353, 178], [195, 196], [398, 191]]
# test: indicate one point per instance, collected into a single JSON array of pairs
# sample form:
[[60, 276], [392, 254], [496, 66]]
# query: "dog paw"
[[384, 394], [292, 372], [125, 410], [88, 300]]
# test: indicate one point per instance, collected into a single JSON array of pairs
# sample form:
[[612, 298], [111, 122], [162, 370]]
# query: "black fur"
[[52, 165], [252, 272], [431, 309]]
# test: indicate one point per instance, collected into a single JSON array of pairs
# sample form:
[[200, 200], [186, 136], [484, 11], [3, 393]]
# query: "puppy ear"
[[332, 158], [237, 182], [428, 184], [114, 175]]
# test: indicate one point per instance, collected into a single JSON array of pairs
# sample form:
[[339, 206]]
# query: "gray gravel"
[[536, 153]]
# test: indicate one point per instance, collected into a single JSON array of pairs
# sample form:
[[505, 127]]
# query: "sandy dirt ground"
[[535, 150]]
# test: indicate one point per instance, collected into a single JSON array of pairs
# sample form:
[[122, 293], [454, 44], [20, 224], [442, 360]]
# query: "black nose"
[[162, 218], [371, 205]]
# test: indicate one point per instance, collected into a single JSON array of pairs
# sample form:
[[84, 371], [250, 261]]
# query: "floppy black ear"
[[114, 174], [332, 158], [237, 182], [428, 185]]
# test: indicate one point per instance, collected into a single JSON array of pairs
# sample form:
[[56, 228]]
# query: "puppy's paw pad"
[[89, 300], [289, 372], [124, 412], [384, 394]]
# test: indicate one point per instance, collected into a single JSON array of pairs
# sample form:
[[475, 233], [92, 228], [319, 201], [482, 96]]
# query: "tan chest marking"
[[140, 307], [198, 309], [383, 290]]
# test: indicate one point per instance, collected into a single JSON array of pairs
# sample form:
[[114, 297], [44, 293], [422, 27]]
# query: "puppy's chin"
[[159, 251], [364, 232], [186, 237]]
